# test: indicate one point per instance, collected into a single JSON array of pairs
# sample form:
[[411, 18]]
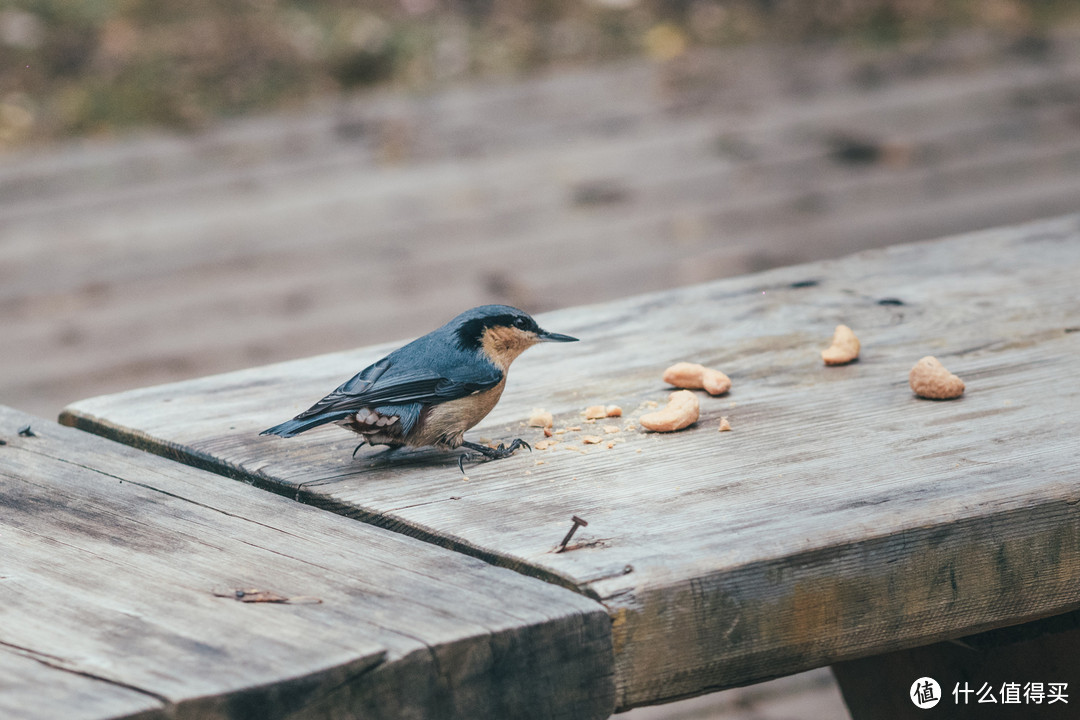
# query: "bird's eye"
[[521, 323]]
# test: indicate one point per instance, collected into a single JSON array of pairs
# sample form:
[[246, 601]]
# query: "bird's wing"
[[383, 384]]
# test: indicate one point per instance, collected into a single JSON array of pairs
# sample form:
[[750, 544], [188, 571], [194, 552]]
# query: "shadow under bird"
[[429, 392]]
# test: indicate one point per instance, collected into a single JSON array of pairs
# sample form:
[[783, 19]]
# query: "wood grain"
[[842, 517], [117, 599]]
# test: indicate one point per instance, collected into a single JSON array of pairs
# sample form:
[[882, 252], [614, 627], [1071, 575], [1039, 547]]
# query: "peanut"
[[681, 411], [692, 376], [844, 348], [930, 379]]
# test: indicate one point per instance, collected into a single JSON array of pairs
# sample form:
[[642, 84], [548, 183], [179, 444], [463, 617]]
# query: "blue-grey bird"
[[432, 390]]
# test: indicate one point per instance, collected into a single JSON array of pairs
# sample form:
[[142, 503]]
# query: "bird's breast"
[[445, 424]]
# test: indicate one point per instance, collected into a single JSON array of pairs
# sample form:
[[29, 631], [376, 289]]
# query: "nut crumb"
[[544, 444], [591, 439], [540, 418], [613, 411], [595, 412], [725, 426], [611, 429]]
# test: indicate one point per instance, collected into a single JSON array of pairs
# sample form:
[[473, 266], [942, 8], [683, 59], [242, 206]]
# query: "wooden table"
[[841, 518], [119, 581]]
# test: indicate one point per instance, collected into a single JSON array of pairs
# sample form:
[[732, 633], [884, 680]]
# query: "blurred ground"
[[807, 696], [160, 257], [164, 257], [80, 68]]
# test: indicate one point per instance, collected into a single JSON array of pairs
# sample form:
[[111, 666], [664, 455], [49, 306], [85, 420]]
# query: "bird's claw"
[[497, 453], [362, 443], [503, 450]]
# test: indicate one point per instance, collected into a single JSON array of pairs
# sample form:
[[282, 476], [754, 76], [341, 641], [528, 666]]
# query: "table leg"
[[1021, 669]]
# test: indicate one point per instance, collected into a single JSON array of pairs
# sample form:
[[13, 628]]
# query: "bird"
[[432, 390]]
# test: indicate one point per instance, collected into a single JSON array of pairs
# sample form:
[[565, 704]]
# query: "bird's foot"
[[497, 453], [491, 453], [362, 443], [389, 449]]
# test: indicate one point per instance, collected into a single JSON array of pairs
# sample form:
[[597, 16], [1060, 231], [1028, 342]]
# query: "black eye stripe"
[[471, 331]]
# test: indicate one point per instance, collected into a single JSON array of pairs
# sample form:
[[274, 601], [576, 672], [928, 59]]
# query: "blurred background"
[[197, 187]]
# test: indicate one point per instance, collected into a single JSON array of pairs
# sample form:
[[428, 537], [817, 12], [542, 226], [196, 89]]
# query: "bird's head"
[[501, 332]]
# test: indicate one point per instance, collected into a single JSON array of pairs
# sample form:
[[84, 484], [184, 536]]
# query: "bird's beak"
[[545, 336]]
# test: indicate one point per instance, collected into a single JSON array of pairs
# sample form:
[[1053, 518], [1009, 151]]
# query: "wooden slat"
[[111, 573], [31, 688], [842, 517]]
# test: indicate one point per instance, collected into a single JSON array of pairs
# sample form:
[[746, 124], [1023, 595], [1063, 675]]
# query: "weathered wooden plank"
[[31, 688], [117, 598], [842, 517]]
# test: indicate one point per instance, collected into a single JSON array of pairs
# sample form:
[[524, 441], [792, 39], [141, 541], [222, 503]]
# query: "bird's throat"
[[502, 345]]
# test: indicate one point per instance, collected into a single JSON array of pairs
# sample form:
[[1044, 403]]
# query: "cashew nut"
[[681, 411], [930, 379], [844, 348], [692, 376]]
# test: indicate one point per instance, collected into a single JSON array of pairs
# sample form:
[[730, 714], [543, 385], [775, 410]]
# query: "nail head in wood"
[[578, 522]]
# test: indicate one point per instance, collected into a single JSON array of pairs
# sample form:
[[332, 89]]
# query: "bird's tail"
[[297, 425]]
